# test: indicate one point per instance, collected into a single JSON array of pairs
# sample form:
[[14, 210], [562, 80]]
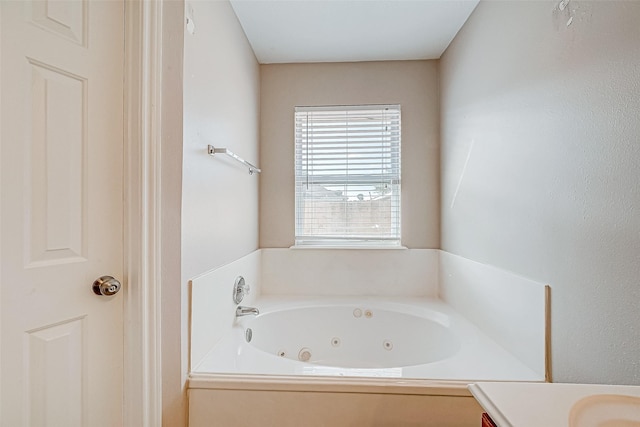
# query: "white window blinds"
[[347, 167]]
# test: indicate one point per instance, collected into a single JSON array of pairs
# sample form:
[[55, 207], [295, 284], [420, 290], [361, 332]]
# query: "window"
[[347, 162]]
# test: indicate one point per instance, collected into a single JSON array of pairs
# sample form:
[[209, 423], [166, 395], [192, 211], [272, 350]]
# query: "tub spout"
[[246, 311]]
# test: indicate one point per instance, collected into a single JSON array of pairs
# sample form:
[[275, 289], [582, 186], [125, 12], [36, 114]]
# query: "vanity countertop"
[[514, 404]]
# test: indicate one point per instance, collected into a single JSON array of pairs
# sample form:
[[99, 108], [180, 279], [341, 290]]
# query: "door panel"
[[61, 185], [55, 358], [67, 19], [56, 205]]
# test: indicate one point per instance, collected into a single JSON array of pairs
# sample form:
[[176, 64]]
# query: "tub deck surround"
[[212, 307], [511, 309], [508, 309], [475, 356], [263, 382], [348, 272]]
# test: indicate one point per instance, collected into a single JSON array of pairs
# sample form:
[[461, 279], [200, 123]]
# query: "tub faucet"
[[241, 310]]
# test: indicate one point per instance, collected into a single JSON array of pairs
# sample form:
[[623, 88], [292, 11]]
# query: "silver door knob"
[[106, 285]]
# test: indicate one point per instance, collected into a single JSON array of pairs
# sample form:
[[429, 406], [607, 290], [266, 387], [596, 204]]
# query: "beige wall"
[[219, 197], [540, 156], [221, 107], [413, 84]]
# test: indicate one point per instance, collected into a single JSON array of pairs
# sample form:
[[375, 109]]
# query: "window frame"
[[392, 144]]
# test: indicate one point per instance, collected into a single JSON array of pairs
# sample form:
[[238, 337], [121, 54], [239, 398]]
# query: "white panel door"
[[61, 215]]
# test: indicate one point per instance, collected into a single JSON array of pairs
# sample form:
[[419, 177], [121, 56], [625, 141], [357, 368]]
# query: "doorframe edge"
[[142, 381]]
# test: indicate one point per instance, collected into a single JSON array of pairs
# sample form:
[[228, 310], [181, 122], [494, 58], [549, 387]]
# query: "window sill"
[[352, 247]]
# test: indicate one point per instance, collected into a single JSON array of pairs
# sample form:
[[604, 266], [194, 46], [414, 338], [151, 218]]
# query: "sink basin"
[[606, 410]]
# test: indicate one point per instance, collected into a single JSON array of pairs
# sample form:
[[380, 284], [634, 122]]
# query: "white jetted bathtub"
[[389, 360], [361, 337], [356, 336]]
